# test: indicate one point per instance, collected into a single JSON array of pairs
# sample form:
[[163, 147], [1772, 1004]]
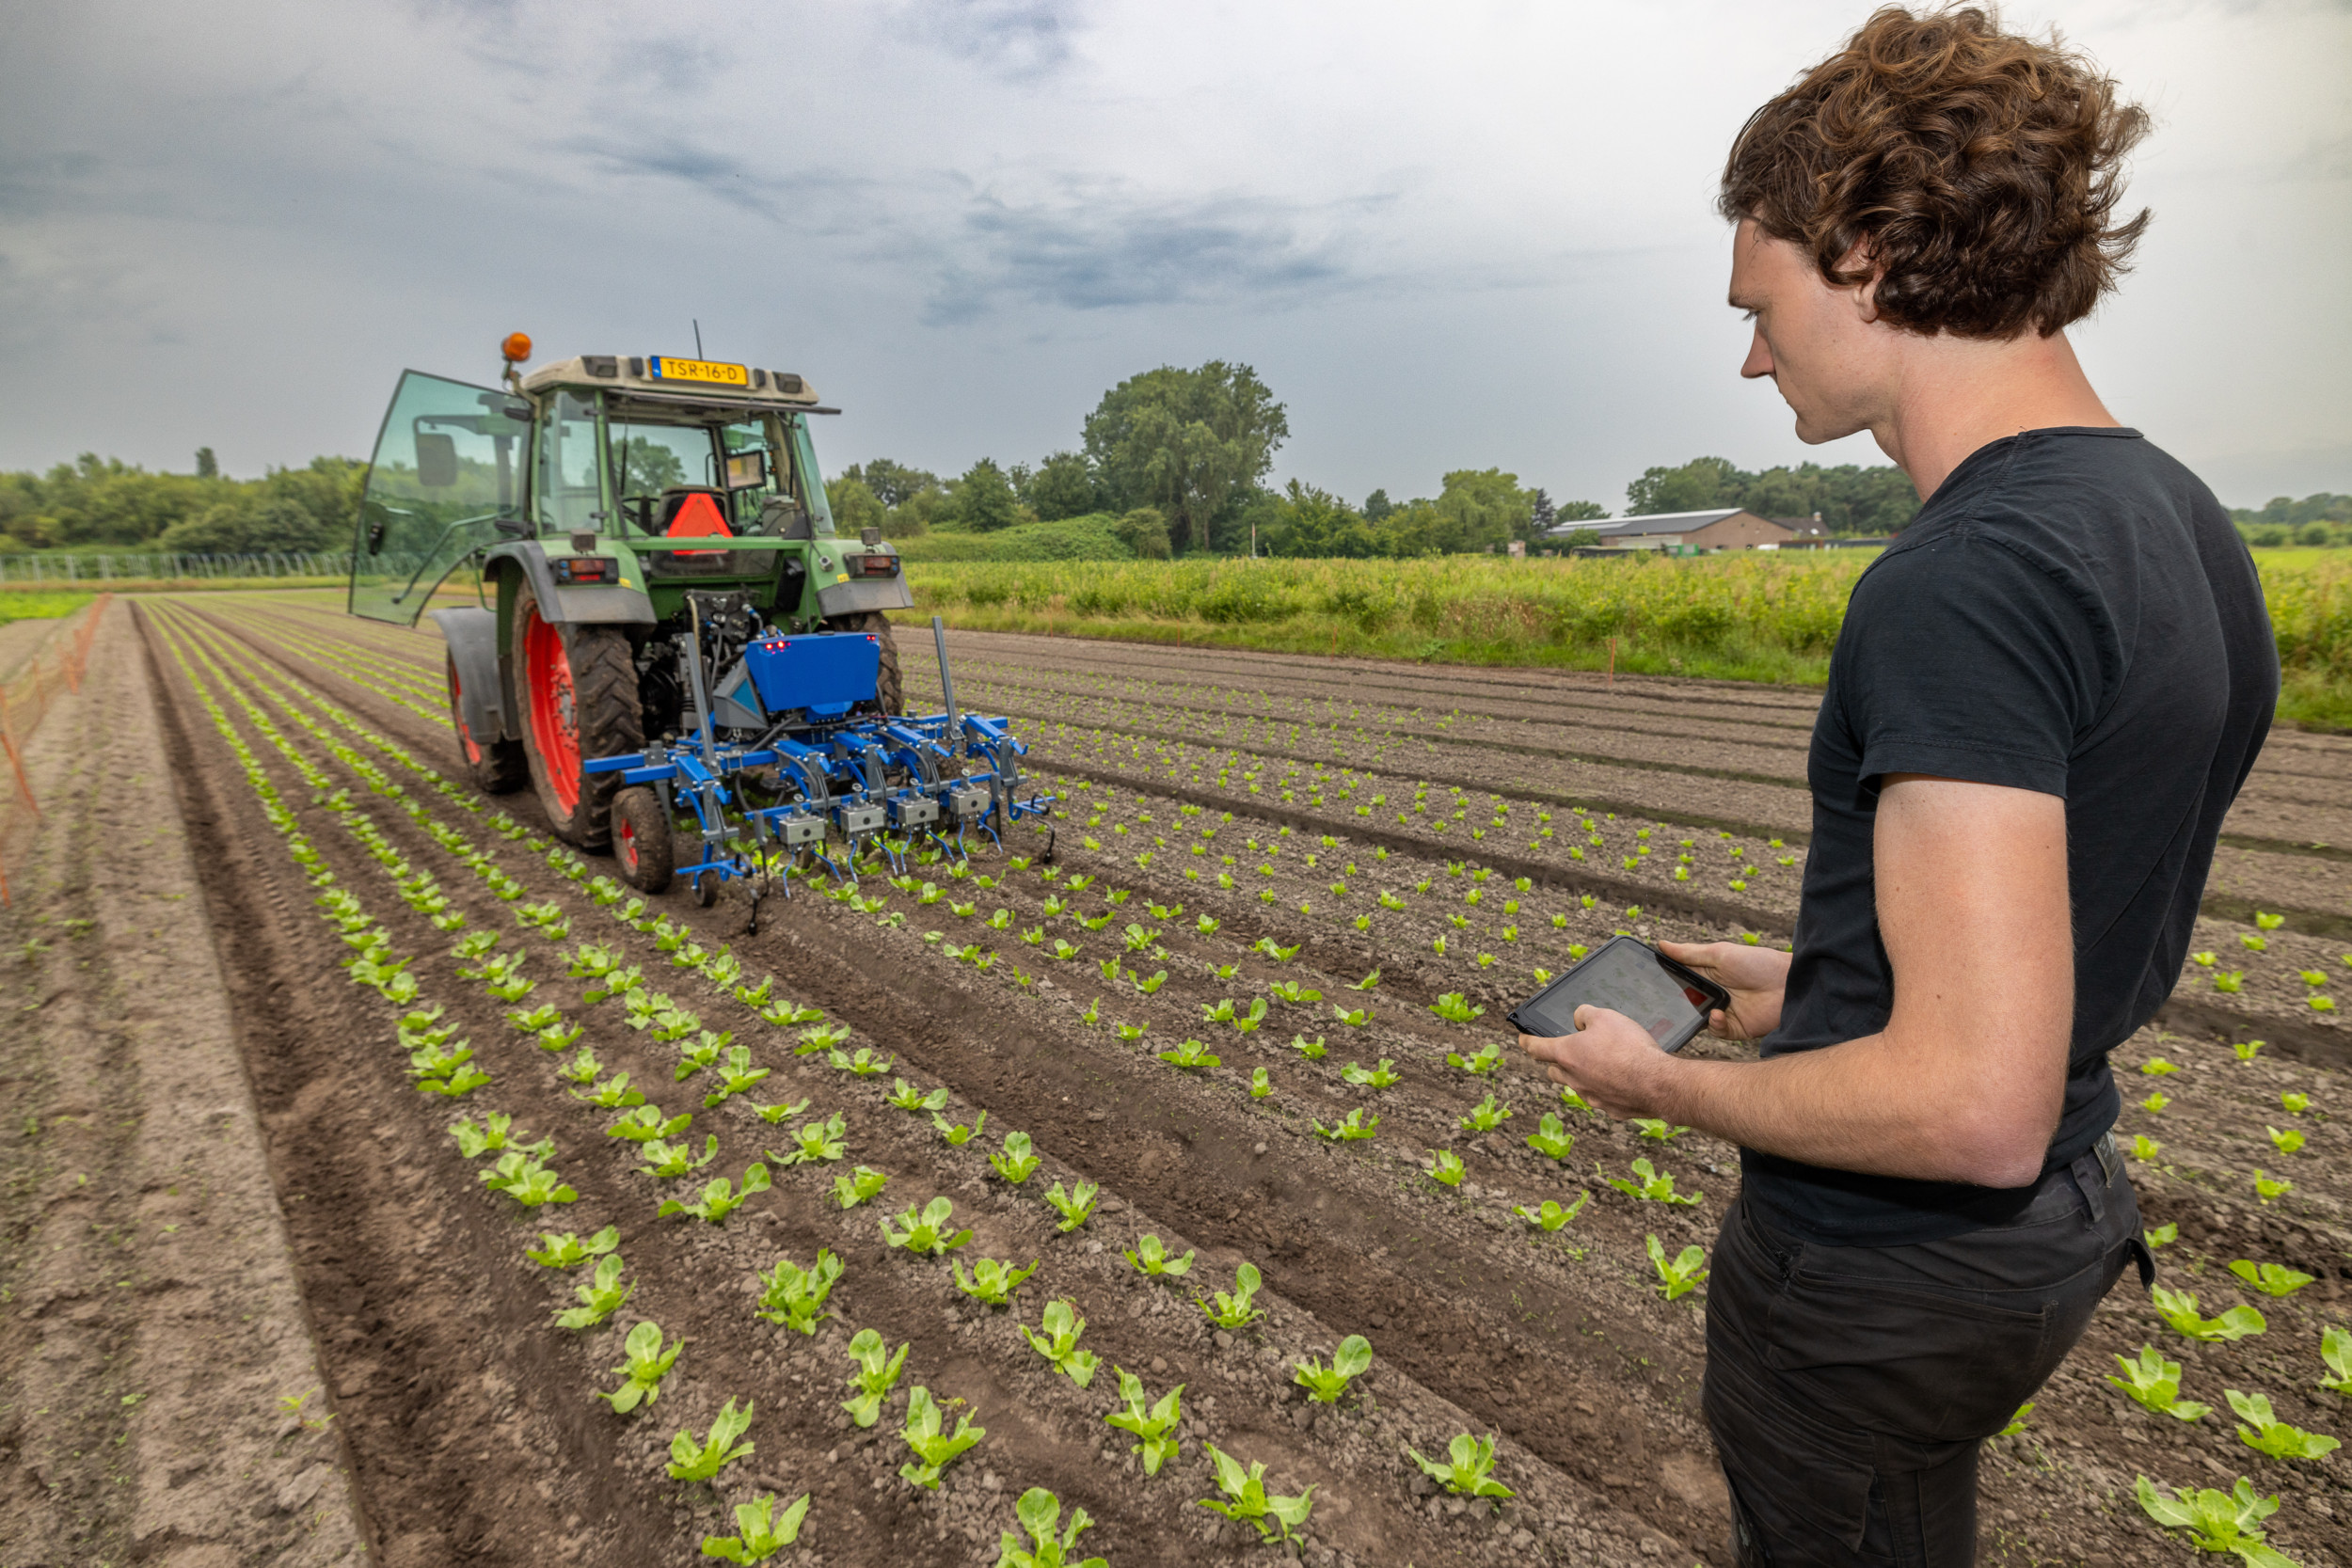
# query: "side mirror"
[[511, 525], [436, 460], [746, 469]]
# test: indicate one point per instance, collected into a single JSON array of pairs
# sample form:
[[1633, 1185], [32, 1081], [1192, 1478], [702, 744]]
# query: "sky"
[[1460, 237]]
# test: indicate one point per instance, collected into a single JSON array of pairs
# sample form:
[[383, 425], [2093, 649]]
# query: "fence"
[[57, 665], [60, 568]]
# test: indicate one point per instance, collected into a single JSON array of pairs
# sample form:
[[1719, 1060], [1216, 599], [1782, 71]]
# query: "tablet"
[[1631, 977]]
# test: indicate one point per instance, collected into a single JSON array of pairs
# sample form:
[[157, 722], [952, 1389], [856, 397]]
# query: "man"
[[2043, 698]]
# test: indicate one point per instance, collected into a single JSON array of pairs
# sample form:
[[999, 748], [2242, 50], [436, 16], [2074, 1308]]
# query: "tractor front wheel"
[[495, 765], [577, 686], [642, 841], [891, 690]]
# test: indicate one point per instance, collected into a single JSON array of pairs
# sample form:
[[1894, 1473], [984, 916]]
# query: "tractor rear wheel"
[[495, 767], [642, 841], [891, 690], [577, 687]]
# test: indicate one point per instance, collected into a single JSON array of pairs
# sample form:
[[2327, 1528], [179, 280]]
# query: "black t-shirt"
[[2072, 613]]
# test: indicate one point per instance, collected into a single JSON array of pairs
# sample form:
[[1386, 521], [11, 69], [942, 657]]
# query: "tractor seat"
[[692, 511]]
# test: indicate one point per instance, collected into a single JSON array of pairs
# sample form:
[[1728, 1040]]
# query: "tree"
[[1313, 522], [1144, 531], [1699, 486], [1186, 441], [1542, 513], [983, 500], [1064, 486], [207, 467], [1377, 506], [1579, 512], [855, 507], [1850, 499], [893, 484]]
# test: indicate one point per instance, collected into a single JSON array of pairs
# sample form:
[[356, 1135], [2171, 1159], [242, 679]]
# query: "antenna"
[[698, 340]]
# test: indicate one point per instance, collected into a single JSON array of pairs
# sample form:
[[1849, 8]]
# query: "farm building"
[[1687, 532]]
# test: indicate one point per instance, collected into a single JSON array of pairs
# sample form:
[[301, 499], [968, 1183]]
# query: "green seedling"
[[820, 1039], [1154, 1425], [1075, 1206], [2271, 1437], [1233, 1311], [1659, 1130], [1056, 1337], [872, 1377], [1016, 1161], [2016, 1420], [1293, 992], [760, 1534], [2155, 1382], [1325, 1386], [816, 1141], [646, 1123], [926, 1234], [2145, 1147], [642, 1367], [1192, 1053], [667, 1162], [793, 1297], [620, 982], [2294, 1104], [2156, 1067], [1152, 1259], [2245, 1050], [1247, 1498], [1129, 1032], [1454, 1008], [1679, 1276], [1352, 1128], [737, 1075], [1484, 1116], [1260, 1084], [1039, 1511], [1649, 1185], [2287, 1141], [1311, 1048], [600, 1295], [1158, 978], [907, 1098], [568, 1251], [2162, 1236], [1469, 1471], [2155, 1102], [934, 1451], [2271, 1279], [2267, 1187], [693, 1461], [1373, 979], [495, 1134], [582, 1068], [991, 1282], [545, 1016], [718, 1197], [1355, 1018], [865, 1064], [1445, 1168], [1482, 1064], [522, 1177], [786, 1013], [1555, 1141], [860, 1185], [957, 1134], [2179, 1308], [781, 1110], [1373, 1078], [1551, 1216]]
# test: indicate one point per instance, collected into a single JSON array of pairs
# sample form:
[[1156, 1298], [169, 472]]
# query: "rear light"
[[879, 565], [586, 568]]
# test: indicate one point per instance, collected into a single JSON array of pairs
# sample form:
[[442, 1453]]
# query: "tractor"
[[653, 571]]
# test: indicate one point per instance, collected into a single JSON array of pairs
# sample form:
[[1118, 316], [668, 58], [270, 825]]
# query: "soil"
[[469, 1420]]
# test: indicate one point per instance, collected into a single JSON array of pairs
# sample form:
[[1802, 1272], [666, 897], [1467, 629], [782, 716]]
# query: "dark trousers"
[[1849, 1388]]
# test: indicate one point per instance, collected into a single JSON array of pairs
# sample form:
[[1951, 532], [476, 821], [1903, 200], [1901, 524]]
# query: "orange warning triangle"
[[698, 518]]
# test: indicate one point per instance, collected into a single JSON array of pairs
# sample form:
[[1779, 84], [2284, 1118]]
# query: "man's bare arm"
[[1966, 1081]]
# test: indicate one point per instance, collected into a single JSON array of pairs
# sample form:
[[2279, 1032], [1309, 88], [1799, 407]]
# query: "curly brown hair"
[[1980, 170]]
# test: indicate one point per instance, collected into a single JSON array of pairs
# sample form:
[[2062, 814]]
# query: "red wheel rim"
[[457, 712], [554, 713], [625, 832]]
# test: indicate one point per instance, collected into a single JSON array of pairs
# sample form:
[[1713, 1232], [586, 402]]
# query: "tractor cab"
[[567, 529]]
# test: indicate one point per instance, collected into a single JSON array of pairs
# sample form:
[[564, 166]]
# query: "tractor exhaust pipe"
[[947, 682]]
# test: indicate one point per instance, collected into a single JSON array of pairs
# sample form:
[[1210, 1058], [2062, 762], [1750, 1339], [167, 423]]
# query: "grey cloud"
[[47, 183], [1014, 38]]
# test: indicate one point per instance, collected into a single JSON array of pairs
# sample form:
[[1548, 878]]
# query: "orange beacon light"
[[517, 348]]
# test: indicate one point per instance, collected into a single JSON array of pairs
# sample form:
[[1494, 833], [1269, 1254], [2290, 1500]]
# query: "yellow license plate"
[[699, 370]]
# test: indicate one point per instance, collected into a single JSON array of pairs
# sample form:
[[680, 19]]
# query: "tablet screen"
[[1625, 977]]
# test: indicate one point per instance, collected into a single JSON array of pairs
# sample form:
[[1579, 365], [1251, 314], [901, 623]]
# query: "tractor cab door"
[[447, 478]]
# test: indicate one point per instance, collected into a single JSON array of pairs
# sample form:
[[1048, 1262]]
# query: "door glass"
[[570, 492], [809, 484], [445, 470], [648, 459]]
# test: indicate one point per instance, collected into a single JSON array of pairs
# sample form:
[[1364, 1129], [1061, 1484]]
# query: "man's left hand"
[[1610, 1060]]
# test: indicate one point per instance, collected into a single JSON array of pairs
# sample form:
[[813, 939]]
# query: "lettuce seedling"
[[600, 1295], [1679, 1276], [643, 1008], [2271, 1437], [2145, 1147], [1275, 1517], [1555, 1140], [643, 1369], [1373, 979], [675, 1024], [1192, 1053], [497, 1134], [1293, 992], [957, 1137], [1484, 1116], [1275, 950], [1016, 1161], [858, 1186], [718, 1197], [760, 1534], [1311, 1048], [2179, 1308], [1158, 978], [926, 1234], [1260, 1084], [1325, 1387], [991, 1282], [905, 1096], [1152, 1259], [530, 1184], [793, 1297], [872, 1377], [582, 1068], [646, 1123], [693, 1461], [1482, 1064], [824, 1038], [2335, 1348], [1057, 1339], [2268, 1186], [568, 1251], [781, 1110], [1551, 1216], [1039, 1511], [1650, 1185], [1454, 1008], [1153, 1424], [1376, 1078], [737, 1075], [1445, 1168], [1659, 1131], [815, 1140], [2271, 1279], [864, 1065], [934, 1451], [1355, 1019], [2286, 1142], [1352, 1128], [1075, 1206], [2155, 1382], [1469, 1471], [1233, 1311], [619, 982], [1129, 1032], [783, 1012], [666, 1161]]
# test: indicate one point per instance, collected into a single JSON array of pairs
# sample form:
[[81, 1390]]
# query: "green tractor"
[[597, 508]]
